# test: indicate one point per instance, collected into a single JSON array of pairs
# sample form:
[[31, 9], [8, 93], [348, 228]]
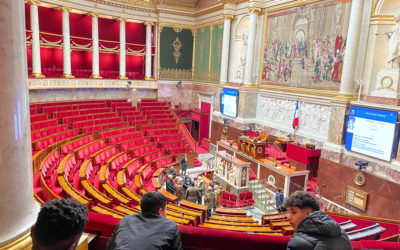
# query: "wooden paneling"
[[383, 196], [221, 131]]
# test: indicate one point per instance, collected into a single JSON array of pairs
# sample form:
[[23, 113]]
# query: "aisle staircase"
[[264, 200]]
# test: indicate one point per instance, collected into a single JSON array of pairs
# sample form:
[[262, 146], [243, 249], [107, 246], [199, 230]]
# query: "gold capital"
[[149, 23], [33, 2], [230, 17], [66, 9], [92, 14], [120, 19], [254, 10]]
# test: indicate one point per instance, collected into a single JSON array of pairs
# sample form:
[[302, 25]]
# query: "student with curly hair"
[[59, 225], [313, 229]]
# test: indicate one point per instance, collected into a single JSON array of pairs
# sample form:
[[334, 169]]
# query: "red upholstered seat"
[[225, 199], [249, 198]]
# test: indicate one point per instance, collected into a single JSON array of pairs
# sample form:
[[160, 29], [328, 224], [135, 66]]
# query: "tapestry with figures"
[[176, 53], [305, 45]]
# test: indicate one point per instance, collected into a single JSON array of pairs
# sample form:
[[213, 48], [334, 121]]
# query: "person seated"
[[148, 229], [313, 228], [59, 225]]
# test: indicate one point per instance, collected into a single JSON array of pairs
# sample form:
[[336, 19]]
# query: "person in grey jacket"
[[313, 229], [148, 229]]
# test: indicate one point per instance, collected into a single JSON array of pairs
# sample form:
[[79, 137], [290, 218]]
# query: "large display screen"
[[229, 102], [371, 132]]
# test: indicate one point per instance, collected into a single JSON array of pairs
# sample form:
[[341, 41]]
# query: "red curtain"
[[81, 63], [28, 16], [80, 25], [108, 29], [109, 65], [52, 61], [135, 66], [135, 33], [29, 56], [50, 20]]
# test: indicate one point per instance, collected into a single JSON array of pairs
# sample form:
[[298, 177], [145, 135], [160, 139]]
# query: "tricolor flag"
[[296, 116]]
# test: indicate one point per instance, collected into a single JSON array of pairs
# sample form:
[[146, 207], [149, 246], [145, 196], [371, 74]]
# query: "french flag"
[[296, 116]]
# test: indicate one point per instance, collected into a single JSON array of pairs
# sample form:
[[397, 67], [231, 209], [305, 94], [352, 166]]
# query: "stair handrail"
[[182, 126]]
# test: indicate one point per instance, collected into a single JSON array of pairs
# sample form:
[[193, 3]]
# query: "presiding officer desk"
[[268, 171]]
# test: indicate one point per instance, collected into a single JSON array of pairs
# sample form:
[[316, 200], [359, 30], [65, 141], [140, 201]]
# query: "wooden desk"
[[287, 231], [251, 147], [229, 211], [347, 225], [368, 233], [170, 197], [134, 196], [266, 218], [233, 223], [191, 205], [105, 210], [99, 197], [117, 196], [277, 225], [183, 210], [69, 190], [232, 218], [282, 142]]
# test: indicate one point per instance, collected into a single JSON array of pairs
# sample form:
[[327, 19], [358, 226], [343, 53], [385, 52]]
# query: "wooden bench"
[[277, 225], [170, 197], [186, 211], [227, 211], [134, 196], [232, 218], [347, 225], [194, 206], [72, 192], [266, 218], [258, 229], [117, 196], [367, 233], [233, 223], [96, 194], [105, 210]]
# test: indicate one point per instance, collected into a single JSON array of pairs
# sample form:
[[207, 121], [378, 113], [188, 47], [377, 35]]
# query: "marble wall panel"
[[178, 95], [383, 196], [335, 134]]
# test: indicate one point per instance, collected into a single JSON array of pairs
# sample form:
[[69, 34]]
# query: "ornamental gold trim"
[[386, 86], [359, 178], [177, 49], [290, 5], [33, 2]]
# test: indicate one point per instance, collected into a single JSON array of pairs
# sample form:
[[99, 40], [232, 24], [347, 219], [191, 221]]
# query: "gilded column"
[[350, 57], [248, 74], [18, 211], [66, 43], [36, 65], [148, 51], [122, 49], [95, 46], [226, 36]]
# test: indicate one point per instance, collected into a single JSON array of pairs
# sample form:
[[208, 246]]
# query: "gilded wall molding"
[[60, 83], [290, 5], [33, 2], [176, 25]]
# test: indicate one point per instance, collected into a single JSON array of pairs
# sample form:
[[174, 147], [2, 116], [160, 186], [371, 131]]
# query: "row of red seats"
[[33, 111], [142, 150], [162, 162], [116, 105], [151, 133], [130, 113], [49, 140], [168, 137], [117, 162], [49, 163], [146, 103], [231, 201], [85, 151], [177, 151], [160, 126], [154, 108], [35, 135], [169, 120], [117, 139], [129, 118], [71, 146], [103, 135], [102, 157], [66, 113], [71, 119], [173, 144], [139, 122], [91, 129], [134, 143], [152, 156], [156, 116], [126, 109], [39, 106], [43, 124], [156, 112], [38, 117]]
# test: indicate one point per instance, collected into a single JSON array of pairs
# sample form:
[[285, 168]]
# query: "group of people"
[[60, 224]]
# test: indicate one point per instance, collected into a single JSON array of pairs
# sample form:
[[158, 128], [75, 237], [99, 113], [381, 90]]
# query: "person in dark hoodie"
[[313, 229]]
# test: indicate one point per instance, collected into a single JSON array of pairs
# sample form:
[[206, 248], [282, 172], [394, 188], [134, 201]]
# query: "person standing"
[[313, 228], [217, 197], [170, 185], [183, 165], [279, 200], [186, 182], [179, 191], [172, 172], [209, 200], [191, 193], [201, 189]]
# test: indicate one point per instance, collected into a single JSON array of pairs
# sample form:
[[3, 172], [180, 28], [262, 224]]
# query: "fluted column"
[[66, 43], [350, 57], [36, 65], [148, 51], [226, 37], [95, 46], [155, 61], [18, 211], [248, 74], [122, 49]]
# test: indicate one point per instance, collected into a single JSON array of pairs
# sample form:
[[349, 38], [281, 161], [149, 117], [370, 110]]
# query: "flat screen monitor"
[[371, 132], [229, 102]]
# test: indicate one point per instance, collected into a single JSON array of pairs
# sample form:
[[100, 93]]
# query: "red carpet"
[[200, 149], [272, 151]]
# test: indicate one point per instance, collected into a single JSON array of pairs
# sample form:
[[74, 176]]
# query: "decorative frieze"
[[59, 83]]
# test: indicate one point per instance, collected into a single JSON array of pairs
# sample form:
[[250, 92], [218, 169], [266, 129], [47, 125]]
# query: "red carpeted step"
[[197, 163], [252, 176]]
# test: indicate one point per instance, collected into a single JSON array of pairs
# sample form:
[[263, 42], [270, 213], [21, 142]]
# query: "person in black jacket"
[[148, 229], [170, 185], [183, 165], [186, 181], [313, 229]]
